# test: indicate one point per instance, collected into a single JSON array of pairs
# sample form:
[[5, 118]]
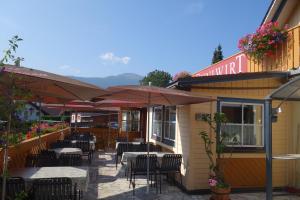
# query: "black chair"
[[139, 167], [31, 160], [55, 189], [122, 147], [70, 160], [46, 159], [171, 164], [14, 186], [86, 149], [61, 144]]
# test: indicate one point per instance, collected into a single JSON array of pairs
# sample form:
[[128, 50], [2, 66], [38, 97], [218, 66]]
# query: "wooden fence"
[[18, 153]]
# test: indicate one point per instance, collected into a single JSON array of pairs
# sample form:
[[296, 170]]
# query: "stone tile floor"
[[107, 183]]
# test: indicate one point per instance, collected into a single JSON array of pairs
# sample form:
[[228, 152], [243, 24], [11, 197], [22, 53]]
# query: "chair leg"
[[180, 178], [160, 183], [156, 183], [130, 180], [116, 161]]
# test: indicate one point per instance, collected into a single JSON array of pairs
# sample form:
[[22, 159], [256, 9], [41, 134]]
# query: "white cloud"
[[112, 58], [69, 69], [194, 8]]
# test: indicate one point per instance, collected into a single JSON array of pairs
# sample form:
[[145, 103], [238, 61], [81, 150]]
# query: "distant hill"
[[121, 79]]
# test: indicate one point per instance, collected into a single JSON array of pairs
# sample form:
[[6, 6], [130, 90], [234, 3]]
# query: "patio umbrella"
[[43, 84], [151, 95]]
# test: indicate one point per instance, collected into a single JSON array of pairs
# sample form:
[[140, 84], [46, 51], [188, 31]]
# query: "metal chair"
[[70, 160], [46, 159], [14, 186], [86, 149], [55, 189], [31, 160], [139, 167], [171, 163], [122, 147]]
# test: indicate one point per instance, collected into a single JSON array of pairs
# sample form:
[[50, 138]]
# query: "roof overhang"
[[289, 91], [187, 82]]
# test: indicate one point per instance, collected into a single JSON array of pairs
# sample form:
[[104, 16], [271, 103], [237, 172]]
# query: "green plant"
[[216, 176], [157, 78]]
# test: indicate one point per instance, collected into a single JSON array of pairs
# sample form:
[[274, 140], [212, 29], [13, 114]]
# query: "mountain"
[[121, 79]]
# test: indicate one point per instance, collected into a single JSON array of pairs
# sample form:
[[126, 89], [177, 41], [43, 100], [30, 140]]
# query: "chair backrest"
[[83, 145], [14, 186], [52, 188], [140, 164], [70, 160], [171, 162], [61, 144], [46, 159], [122, 147], [31, 160]]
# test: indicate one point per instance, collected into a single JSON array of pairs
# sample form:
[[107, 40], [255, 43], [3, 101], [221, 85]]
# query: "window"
[[164, 124], [157, 121], [245, 124], [170, 123], [131, 120]]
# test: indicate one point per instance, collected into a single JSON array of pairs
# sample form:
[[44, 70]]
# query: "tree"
[[157, 78], [218, 55], [9, 105]]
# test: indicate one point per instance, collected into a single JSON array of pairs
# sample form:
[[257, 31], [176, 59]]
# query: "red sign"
[[233, 65]]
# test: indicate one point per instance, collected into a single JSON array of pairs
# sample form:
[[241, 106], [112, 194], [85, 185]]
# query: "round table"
[[60, 151]]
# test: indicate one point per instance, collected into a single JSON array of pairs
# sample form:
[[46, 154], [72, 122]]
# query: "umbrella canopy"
[[118, 103], [154, 95], [45, 84]]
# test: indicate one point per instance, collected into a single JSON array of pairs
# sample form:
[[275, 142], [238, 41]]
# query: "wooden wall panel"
[[244, 172]]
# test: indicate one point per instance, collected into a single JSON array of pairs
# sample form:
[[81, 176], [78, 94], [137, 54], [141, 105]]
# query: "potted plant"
[[220, 189], [264, 41]]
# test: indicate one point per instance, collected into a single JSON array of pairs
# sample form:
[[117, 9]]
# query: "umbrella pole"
[[148, 138], [5, 158], [108, 141], [39, 126]]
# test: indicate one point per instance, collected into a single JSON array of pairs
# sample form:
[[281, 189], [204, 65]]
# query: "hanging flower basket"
[[264, 41]]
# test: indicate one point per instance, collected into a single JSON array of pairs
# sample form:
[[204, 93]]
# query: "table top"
[[67, 150], [78, 175], [134, 143], [129, 156], [287, 157]]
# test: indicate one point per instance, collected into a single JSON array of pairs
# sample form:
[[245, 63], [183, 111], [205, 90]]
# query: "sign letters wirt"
[[232, 65]]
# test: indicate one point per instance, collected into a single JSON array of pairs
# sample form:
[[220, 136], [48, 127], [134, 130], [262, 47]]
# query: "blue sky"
[[97, 38]]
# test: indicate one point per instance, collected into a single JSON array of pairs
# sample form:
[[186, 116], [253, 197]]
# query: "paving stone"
[[109, 183]]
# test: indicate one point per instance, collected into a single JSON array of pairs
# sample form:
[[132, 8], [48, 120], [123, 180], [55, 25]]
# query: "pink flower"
[[212, 182]]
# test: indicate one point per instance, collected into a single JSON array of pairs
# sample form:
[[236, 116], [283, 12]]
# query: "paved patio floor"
[[110, 184]]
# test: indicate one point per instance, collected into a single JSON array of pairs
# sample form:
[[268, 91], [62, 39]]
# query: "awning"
[[289, 91]]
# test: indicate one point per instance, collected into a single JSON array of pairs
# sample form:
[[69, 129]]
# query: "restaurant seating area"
[[134, 156], [60, 172]]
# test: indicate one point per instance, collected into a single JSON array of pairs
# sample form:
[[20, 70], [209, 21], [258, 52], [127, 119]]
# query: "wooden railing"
[[287, 55], [18, 153]]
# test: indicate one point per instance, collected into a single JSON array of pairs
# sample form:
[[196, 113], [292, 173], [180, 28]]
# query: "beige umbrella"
[[151, 95]]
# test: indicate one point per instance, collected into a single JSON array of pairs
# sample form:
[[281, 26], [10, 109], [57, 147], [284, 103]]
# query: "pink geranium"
[[212, 182]]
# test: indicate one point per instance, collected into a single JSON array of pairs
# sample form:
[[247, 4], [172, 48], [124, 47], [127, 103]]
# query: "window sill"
[[244, 150]]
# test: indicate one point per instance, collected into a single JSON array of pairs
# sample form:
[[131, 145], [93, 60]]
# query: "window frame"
[[130, 122], [166, 140], [243, 102]]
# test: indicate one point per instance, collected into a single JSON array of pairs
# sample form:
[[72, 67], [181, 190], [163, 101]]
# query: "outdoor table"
[[92, 143], [60, 151], [134, 143], [78, 175], [131, 156]]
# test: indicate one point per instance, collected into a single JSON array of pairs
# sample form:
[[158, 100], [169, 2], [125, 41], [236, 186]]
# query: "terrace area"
[[109, 183]]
